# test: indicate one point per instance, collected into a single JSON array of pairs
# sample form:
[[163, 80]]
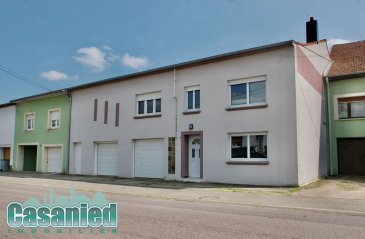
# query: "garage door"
[[149, 159], [351, 156], [107, 158], [54, 160]]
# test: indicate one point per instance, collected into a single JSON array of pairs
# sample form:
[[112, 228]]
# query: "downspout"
[[329, 125], [325, 74], [175, 103], [68, 96]]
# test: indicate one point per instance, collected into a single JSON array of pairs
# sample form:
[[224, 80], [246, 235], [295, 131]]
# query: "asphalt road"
[[143, 217]]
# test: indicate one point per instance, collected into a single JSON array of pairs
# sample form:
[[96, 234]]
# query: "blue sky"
[[58, 44]]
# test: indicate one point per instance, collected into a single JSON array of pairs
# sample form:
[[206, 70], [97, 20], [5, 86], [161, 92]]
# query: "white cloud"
[[57, 76], [134, 62], [336, 41], [93, 58]]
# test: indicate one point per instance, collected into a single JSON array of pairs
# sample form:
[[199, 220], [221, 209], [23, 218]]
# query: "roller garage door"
[[149, 158], [54, 159], [351, 156], [107, 159]]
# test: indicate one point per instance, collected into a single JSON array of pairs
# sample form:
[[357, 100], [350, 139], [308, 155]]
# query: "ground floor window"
[[251, 146], [171, 155]]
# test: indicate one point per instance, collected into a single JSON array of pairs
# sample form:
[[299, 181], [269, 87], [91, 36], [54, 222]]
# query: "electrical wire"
[[22, 78]]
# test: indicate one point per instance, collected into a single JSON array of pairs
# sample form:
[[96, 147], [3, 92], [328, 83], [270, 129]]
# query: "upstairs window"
[[351, 107], [192, 98], [149, 104], [247, 92], [29, 122], [54, 119]]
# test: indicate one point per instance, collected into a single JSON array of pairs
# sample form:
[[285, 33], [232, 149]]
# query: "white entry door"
[[149, 158], [54, 159], [107, 157], [194, 157], [77, 158]]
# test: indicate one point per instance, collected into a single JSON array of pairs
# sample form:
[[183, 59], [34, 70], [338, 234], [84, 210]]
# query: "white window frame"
[[230, 135], [193, 89], [145, 97], [335, 105], [26, 118], [246, 81], [50, 118]]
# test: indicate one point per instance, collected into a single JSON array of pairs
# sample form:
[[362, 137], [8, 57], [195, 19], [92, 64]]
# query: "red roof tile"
[[348, 59]]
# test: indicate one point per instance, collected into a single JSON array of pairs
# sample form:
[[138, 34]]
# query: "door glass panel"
[[193, 153]]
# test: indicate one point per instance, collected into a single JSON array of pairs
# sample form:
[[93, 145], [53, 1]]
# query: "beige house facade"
[[250, 117]]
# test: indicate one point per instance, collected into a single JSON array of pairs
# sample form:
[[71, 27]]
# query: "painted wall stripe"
[[308, 71]]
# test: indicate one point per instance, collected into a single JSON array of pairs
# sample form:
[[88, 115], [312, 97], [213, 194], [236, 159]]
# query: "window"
[[351, 107], [248, 146], [149, 104], [29, 122], [54, 119], [192, 98], [248, 92], [171, 155]]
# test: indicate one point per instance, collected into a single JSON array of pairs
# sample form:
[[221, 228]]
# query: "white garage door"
[[149, 159], [107, 159], [54, 160]]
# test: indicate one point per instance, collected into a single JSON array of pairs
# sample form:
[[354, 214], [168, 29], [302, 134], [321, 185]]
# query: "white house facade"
[[7, 119], [248, 117]]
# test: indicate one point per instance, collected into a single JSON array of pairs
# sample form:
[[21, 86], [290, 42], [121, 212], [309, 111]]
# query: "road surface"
[[143, 217]]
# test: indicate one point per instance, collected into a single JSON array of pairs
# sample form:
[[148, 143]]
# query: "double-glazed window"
[[29, 121], [351, 107], [149, 104], [192, 98], [248, 146], [54, 119], [248, 92]]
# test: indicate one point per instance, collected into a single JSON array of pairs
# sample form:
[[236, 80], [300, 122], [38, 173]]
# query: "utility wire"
[[22, 78]]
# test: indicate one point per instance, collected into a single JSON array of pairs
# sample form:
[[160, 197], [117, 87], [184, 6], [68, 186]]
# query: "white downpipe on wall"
[[329, 124], [175, 102], [325, 74]]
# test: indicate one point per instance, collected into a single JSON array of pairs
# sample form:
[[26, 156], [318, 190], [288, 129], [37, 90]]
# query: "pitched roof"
[[348, 59], [221, 57]]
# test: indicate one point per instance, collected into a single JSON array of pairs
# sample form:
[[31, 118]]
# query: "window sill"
[[247, 162], [54, 129], [193, 112], [246, 107], [147, 116], [347, 119]]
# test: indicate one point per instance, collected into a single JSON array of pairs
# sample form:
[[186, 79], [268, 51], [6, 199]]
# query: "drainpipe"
[[68, 96], [175, 103], [325, 74], [329, 124]]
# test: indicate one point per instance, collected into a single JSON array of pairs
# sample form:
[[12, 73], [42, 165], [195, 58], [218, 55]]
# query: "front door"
[[194, 157], [30, 158]]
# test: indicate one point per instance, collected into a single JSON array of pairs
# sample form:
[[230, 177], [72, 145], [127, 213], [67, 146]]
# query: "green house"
[[346, 109], [41, 139]]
